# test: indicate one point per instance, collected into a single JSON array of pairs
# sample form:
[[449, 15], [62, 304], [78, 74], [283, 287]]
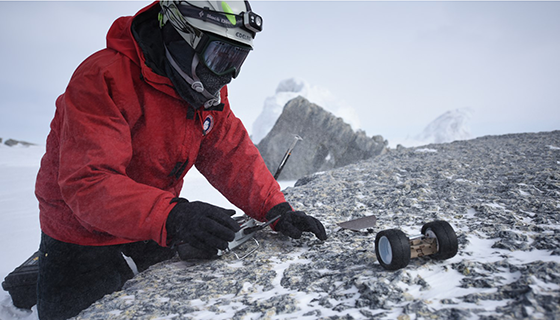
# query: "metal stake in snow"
[[286, 156]]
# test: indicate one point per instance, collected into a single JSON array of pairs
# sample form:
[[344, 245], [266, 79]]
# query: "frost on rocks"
[[500, 193]]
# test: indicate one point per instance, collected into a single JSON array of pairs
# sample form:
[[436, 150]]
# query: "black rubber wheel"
[[446, 239], [392, 248]]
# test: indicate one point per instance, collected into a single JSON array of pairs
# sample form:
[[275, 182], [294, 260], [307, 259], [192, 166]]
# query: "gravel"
[[501, 194]]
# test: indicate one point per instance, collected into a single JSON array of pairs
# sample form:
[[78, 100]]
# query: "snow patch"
[[425, 150]]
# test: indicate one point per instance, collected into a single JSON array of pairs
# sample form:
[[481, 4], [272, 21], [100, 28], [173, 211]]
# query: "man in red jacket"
[[134, 119]]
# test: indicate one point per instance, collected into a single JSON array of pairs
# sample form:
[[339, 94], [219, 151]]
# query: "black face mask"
[[211, 81], [183, 55]]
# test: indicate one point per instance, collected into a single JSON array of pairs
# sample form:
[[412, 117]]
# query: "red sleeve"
[[233, 165], [95, 150]]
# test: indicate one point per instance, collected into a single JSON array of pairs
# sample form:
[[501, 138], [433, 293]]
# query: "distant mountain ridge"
[[328, 141], [13, 142]]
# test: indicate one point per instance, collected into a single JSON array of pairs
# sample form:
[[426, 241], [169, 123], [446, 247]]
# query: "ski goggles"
[[222, 56]]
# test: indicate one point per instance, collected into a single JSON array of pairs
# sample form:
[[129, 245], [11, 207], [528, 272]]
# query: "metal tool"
[[287, 156]]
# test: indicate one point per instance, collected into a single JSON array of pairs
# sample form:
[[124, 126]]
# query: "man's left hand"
[[293, 223]]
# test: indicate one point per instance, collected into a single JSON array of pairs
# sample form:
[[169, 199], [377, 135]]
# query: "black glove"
[[202, 225], [293, 223]]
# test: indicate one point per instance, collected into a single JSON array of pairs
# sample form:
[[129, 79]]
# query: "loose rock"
[[501, 194]]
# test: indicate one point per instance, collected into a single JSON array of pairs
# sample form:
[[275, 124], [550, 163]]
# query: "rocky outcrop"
[[12, 142], [501, 194], [328, 142]]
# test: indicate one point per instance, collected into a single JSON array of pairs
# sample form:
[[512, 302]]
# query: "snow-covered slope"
[[19, 217], [292, 88]]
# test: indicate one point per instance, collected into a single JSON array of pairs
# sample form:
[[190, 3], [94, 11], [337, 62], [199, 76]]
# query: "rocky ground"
[[500, 193]]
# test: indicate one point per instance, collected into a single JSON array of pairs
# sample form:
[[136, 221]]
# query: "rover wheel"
[[447, 244], [392, 249]]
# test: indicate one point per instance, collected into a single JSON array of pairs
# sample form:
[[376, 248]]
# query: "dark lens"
[[222, 57]]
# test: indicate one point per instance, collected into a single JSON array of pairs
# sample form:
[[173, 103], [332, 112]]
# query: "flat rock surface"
[[501, 194]]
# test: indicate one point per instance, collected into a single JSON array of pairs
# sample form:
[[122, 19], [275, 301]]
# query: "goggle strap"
[[194, 83]]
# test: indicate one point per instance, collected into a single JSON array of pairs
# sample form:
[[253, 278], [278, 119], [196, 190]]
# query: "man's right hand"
[[204, 226]]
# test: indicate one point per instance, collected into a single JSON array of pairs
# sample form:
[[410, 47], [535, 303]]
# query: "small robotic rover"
[[394, 248]]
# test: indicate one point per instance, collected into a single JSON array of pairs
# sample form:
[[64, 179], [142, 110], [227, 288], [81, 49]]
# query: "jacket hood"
[[139, 39], [120, 38]]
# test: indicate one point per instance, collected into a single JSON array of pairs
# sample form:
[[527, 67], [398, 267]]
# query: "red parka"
[[121, 143]]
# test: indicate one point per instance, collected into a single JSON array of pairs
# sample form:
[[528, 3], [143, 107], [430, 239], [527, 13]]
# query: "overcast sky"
[[398, 65]]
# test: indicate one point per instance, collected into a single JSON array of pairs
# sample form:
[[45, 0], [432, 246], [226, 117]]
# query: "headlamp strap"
[[218, 18], [249, 20]]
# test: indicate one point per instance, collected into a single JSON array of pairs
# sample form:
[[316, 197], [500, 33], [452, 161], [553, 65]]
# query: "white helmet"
[[220, 32], [232, 20]]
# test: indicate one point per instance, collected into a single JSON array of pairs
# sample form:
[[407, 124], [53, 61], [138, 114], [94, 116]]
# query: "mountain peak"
[[450, 126]]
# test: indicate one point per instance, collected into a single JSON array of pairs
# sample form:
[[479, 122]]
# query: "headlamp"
[[252, 21], [248, 20]]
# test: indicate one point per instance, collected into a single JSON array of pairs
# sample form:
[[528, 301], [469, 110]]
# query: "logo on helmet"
[[243, 36]]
